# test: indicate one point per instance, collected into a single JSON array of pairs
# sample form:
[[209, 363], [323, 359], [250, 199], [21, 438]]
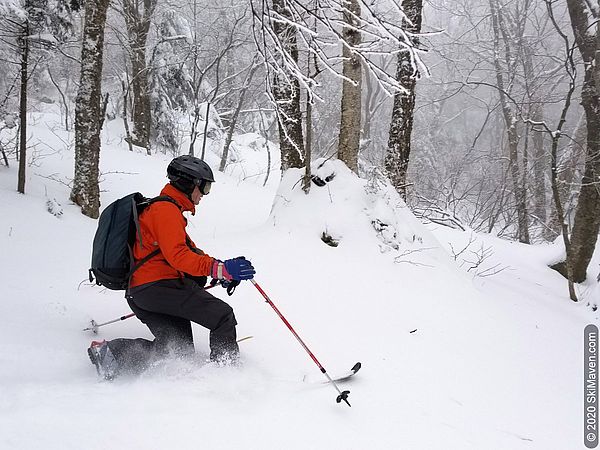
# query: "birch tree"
[[89, 111], [349, 140], [399, 143], [286, 88]]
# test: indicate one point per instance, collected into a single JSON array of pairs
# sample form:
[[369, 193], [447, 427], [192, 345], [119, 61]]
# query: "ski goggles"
[[204, 186]]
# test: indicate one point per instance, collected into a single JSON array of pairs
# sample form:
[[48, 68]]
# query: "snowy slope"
[[450, 361]]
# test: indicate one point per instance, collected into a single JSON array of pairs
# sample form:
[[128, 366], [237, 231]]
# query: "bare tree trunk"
[[4, 157], [63, 98], [349, 139], [572, 162], [233, 120], [194, 132], [510, 121], [125, 118], [228, 104], [587, 215], [540, 162], [265, 134], [88, 111], [24, 41], [368, 107], [399, 143], [141, 99], [559, 206], [286, 92], [138, 25], [205, 133], [565, 267], [307, 179]]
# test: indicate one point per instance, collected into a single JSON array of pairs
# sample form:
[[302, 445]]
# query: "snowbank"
[[361, 215], [450, 361]]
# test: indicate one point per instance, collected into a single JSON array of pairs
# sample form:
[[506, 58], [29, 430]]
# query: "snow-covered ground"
[[450, 360]]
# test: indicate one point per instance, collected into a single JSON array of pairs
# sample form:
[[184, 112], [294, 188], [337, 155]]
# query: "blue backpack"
[[118, 229]]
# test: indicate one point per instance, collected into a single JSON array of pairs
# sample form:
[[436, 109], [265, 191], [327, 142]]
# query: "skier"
[[167, 291]]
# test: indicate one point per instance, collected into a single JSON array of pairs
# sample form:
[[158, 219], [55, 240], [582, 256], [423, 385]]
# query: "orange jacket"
[[162, 226]]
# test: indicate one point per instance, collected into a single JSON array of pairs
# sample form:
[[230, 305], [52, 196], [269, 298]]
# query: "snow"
[[13, 7], [451, 360]]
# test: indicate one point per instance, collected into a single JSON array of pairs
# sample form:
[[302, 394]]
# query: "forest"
[[483, 114]]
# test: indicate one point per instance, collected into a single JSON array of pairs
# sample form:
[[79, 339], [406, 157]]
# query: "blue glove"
[[233, 269]]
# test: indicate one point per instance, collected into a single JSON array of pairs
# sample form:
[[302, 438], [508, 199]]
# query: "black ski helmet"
[[187, 171]]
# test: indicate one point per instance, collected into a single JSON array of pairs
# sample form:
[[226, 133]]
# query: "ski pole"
[[94, 325], [343, 395]]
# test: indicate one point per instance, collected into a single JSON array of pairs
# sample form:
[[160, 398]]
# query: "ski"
[[340, 377]]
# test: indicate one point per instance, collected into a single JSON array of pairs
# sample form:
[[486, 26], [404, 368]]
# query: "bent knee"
[[227, 319]]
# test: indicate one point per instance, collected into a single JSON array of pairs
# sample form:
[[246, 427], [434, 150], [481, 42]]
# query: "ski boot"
[[101, 357]]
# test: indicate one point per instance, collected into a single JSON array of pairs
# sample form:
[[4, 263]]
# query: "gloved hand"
[[233, 269]]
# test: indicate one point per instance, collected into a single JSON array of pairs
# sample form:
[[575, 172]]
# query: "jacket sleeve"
[[192, 244], [168, 226]]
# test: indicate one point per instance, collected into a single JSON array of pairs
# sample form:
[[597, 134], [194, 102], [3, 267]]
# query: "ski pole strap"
[[231, 287]]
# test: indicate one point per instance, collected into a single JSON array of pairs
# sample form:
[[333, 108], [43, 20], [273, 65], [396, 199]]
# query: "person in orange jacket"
[[167, 291]]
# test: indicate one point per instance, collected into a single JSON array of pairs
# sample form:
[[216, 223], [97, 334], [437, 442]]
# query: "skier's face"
[[196, 195]]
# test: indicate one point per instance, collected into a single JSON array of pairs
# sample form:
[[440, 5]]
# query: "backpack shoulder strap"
[[164, 198], [146, 203]]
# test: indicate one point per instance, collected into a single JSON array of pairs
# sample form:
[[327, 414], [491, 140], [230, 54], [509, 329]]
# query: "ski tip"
[[356, 367]]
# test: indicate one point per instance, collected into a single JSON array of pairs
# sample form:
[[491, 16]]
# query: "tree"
[[535, 111], [349, 140], [501, 32], [213, 42], [232, 121], [24, 45], [37, 24], [138, 15], [170, 81], [285, 89], [586, 224], [318, 28], [460, 149], [399, 143], [89, 112]]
